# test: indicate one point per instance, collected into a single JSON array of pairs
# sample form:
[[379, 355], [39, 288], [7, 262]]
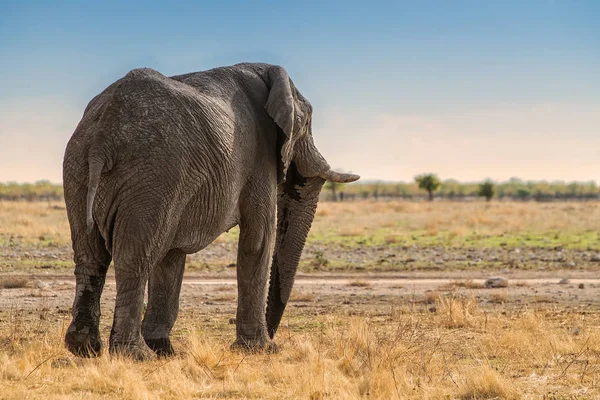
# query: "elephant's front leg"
[[164, 287], [257, 235]]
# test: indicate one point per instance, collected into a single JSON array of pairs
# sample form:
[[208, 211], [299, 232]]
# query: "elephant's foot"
[[83, 342], [162, 347], [137, 351], [255, 345]]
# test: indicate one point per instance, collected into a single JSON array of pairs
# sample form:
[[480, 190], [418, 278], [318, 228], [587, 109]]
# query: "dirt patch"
[[356, 294]]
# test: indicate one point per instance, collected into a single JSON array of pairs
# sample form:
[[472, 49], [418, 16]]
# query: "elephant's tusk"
[[339, 177]]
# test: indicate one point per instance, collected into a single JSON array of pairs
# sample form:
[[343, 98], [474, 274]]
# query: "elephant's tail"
[[96, 165]]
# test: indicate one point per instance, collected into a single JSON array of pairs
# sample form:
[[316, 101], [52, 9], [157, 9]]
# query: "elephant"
[[158, 167]]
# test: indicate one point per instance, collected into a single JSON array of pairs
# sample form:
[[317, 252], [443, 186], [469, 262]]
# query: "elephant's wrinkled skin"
[[159, 167]]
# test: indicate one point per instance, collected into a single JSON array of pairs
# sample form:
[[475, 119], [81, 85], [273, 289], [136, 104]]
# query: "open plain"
[[391, 302]]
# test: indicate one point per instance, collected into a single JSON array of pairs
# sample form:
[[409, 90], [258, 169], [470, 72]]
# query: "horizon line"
[[391, 182]]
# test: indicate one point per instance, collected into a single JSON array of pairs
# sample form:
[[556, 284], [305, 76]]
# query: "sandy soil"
[[215, 295], [379, 280]]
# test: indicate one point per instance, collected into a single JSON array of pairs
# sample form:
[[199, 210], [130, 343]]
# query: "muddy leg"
[[92, 261]]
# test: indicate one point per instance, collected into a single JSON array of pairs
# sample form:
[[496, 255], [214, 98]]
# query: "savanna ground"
[[390, 303]]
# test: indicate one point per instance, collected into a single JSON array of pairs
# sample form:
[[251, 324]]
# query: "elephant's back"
[[147, 118]]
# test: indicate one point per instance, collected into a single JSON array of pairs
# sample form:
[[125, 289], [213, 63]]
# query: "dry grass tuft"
[[431, 297], [499, 298], [457, 312], [225, 297], [392, 239], [432, 228], [360, 283], [349, 231], [302, 297], [483, 382], [14, 282], [467, 284]]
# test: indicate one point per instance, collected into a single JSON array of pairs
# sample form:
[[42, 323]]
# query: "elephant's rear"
[[96, 167], [135, 154], [81, 148], [76, 164]]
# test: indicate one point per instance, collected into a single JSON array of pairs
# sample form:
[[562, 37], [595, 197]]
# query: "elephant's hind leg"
[[91, 263], [164, 287], [140, 234], [125, 336]]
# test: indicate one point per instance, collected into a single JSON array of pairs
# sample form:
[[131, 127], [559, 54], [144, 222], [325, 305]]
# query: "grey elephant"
[[158, 168]]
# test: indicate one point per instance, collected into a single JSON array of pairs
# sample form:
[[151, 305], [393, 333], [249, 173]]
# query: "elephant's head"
[[302, 172]]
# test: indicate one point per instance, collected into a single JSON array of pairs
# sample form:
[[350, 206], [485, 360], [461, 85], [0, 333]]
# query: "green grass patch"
[[379, 238]]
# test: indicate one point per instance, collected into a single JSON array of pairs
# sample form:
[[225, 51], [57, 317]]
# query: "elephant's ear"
[[281, 107]]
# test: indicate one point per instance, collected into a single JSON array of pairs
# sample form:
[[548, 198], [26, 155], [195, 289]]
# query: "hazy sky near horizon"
[[466, 89]]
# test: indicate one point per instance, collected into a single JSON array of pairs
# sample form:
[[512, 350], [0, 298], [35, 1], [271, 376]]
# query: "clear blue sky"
[[466, 89]]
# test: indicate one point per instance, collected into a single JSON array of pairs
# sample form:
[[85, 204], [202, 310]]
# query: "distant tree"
[[515, 189], [429, 182], [487, 189]]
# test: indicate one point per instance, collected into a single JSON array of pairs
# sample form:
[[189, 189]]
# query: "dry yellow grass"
[[455, 218], [34, 222], [449, 350], [457, 312], [483, 382], [302, 297], [466, 283], [431, 297], [47, 222], [457, 352], [499, 297], [13, 282]]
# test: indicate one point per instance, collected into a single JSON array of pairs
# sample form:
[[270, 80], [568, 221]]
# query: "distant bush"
[[38, 191], [428, 182], [487, 190], [513, 189], [523, 194]]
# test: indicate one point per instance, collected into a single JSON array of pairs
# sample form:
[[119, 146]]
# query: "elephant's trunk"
[[296, 206]]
